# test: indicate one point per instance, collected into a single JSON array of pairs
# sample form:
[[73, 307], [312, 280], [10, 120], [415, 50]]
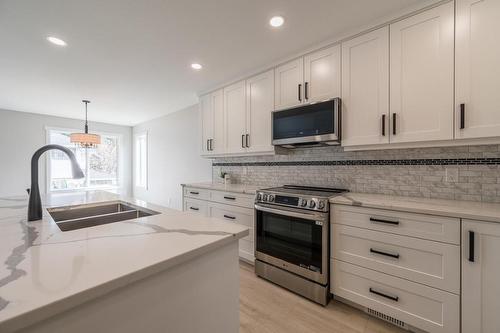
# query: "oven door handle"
[[285, 212]]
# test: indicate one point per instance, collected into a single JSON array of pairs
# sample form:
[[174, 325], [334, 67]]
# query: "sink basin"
[[83, 216]]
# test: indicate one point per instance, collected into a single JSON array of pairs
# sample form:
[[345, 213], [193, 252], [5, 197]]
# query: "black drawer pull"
[[229, 198], [471, 246], [230, 217], [373, 219], [392, 298], [194, 208], [385, 253], [193, 192]]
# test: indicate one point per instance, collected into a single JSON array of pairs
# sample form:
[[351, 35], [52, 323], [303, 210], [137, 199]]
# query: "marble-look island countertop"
[[45, 271], [453, 208], [235, 188]]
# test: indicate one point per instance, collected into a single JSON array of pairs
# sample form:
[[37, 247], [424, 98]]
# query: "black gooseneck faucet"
[[35, 204]]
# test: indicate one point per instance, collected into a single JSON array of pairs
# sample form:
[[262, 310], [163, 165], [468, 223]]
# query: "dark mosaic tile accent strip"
[[442, 161]]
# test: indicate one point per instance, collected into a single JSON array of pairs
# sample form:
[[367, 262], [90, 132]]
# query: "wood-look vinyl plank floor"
[[268, 308]]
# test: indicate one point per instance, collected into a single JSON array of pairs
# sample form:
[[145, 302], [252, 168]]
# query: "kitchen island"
[[170, 272]]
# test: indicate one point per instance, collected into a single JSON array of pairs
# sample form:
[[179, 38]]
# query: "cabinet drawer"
[[429, 309], [235, 199], [438, 228], [431, 263], [195, 206], [241, 216], [197, 193]]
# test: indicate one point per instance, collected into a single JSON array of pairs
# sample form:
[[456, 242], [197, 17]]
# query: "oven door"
[[294, 240]]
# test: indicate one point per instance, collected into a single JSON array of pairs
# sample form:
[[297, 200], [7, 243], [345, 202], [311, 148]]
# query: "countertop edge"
[[233, 188], [417, 207], [32, 317]]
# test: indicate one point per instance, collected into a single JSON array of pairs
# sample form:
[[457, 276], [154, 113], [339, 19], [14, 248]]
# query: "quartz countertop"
[[235, 188], [45, 271], [453, 208]]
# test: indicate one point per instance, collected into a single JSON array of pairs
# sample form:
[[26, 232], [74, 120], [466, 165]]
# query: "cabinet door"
[[322, 74], [218, 137], [480, 277], [207, 123], [365, 89], [421, 76], [289, 84], [477, 68], [234, 110], [260, 104]]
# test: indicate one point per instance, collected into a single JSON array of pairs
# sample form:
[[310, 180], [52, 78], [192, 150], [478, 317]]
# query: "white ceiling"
[[132, 58]]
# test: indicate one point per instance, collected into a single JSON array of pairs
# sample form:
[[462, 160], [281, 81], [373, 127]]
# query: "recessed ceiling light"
[[196, 66], [276, 21], [57, 41]]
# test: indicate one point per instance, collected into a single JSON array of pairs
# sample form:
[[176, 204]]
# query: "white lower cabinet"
[[423, 307], [403, 266], [229, 206], [195, 206], [480, 277]]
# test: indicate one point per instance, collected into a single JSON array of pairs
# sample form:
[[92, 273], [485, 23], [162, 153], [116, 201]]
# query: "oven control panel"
[[309, 203]]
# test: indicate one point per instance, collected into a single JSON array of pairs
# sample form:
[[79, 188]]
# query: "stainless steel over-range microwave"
[[308, 125]]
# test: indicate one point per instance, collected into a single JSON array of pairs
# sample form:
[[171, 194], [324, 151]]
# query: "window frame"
[[119, 151], [135, 154]]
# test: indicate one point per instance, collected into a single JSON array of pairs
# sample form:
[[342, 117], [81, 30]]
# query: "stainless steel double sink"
[[83, 216]]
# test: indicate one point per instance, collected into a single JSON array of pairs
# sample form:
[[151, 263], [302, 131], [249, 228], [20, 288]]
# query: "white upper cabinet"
[[259, 106], [289, 80], [235, 112], [212, 123], [477, 69], [322, 74], [207, 123], [365, 89], [480, 277], [217, 145], [421, 76]]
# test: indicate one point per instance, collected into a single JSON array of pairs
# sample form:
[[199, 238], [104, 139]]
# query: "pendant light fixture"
[[85, 140]]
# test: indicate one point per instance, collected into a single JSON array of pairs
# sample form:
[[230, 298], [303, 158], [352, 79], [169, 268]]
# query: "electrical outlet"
[[451, 175]]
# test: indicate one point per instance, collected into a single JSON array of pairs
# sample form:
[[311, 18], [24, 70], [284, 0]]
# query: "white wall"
[[174, 157], [21, 134]]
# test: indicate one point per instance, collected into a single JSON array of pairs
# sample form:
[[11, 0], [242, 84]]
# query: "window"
[[100, 165], [141, 160]]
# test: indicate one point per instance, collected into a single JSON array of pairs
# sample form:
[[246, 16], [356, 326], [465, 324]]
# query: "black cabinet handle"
[[230, 217], [383, 125], [392, 298], [248, 140], [306, 88], [211, 146], [394, 124], [194, 208], [471, 246], [243, 141], [196, 193], [462, 116], [229, 198], [384, 253], [208, 145], [373, 219], [300, 88]]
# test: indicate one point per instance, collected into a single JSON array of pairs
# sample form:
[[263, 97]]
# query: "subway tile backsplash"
[[420, 172]]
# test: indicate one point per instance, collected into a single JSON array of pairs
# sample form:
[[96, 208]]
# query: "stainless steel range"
[[292, 238]]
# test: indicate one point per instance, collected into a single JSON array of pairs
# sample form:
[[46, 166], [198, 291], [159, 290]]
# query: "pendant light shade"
[[85, 140]]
